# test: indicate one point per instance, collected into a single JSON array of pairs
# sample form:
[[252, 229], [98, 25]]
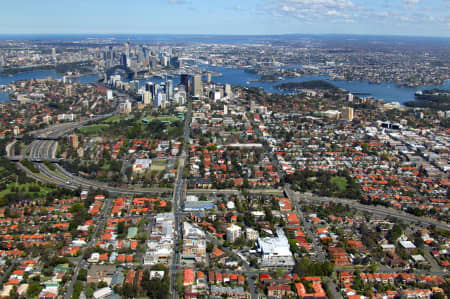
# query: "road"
[[250, 272], [376, 210], [46, 149], [178, 199], [100, 220]]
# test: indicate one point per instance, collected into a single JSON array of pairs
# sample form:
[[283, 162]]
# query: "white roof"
[[407, 244], [278, 246], [144, 162], [234, 227], [102, 293], [387, 246], [156, 274], [418, 258]]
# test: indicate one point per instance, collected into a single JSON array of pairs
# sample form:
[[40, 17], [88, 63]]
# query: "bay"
[[6, 80], [389, 92]]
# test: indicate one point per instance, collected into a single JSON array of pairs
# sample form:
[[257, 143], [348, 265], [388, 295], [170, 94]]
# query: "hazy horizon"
[[430, 18]]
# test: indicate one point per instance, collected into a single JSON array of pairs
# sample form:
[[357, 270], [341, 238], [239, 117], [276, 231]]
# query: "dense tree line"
[[314, 84], [305, 267], [155, 288], [322, 184]]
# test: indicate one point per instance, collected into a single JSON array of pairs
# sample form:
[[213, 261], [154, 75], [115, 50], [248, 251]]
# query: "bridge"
[[120, 69]]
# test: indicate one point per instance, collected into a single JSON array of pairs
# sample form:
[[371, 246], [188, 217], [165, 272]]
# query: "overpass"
[[33, 159]]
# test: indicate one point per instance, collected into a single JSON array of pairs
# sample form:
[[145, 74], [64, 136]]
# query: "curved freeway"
[[46, 149]]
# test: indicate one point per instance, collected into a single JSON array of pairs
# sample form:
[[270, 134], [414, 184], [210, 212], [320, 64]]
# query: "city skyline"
[[254, 17]]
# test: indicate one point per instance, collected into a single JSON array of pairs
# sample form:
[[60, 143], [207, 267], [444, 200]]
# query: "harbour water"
[[5, 80], [389, 92]]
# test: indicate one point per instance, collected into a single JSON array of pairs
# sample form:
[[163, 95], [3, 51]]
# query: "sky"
[[230, 17]]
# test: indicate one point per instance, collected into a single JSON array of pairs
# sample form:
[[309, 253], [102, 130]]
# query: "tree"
[[121, 228], [82, 275], [33, 290], [395, 233]]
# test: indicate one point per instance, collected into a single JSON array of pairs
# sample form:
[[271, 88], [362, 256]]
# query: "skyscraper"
[[228, 90], [127, 49], [150, 86], [125, 60], [147, 97], [197, 87], [350, 97], [68, 90], [169, 89], [347, 113], [54, 54], [184, 80], [134, 85]]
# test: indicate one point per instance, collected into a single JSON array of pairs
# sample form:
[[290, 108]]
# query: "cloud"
[[394, 12], [410, 4], [315, 10], [177, 2]]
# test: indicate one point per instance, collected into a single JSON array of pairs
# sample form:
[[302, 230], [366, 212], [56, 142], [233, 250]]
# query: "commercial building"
[[184, 80], [197, 87], [73, 140], [251, 234], [347, 113], [169, 89], [68, 92], [275, 252], [147, 98], [109, 94], [228, 90]]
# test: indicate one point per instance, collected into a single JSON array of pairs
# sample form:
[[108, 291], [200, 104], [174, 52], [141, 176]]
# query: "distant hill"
[[314, 84]]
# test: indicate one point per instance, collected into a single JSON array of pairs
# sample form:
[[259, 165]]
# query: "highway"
[[179, 194], [45, 145], [376, 210], [45, 149]]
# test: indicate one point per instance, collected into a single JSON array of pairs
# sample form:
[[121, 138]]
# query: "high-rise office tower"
[[160, 99], [169, 89], [184, 80], [228, 90], [147, 96], [134, 85], [350, 97], [208, 78], [197, 87], [68, 90], [125, 60], [127, 49], [347, 113], [150, 86]]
